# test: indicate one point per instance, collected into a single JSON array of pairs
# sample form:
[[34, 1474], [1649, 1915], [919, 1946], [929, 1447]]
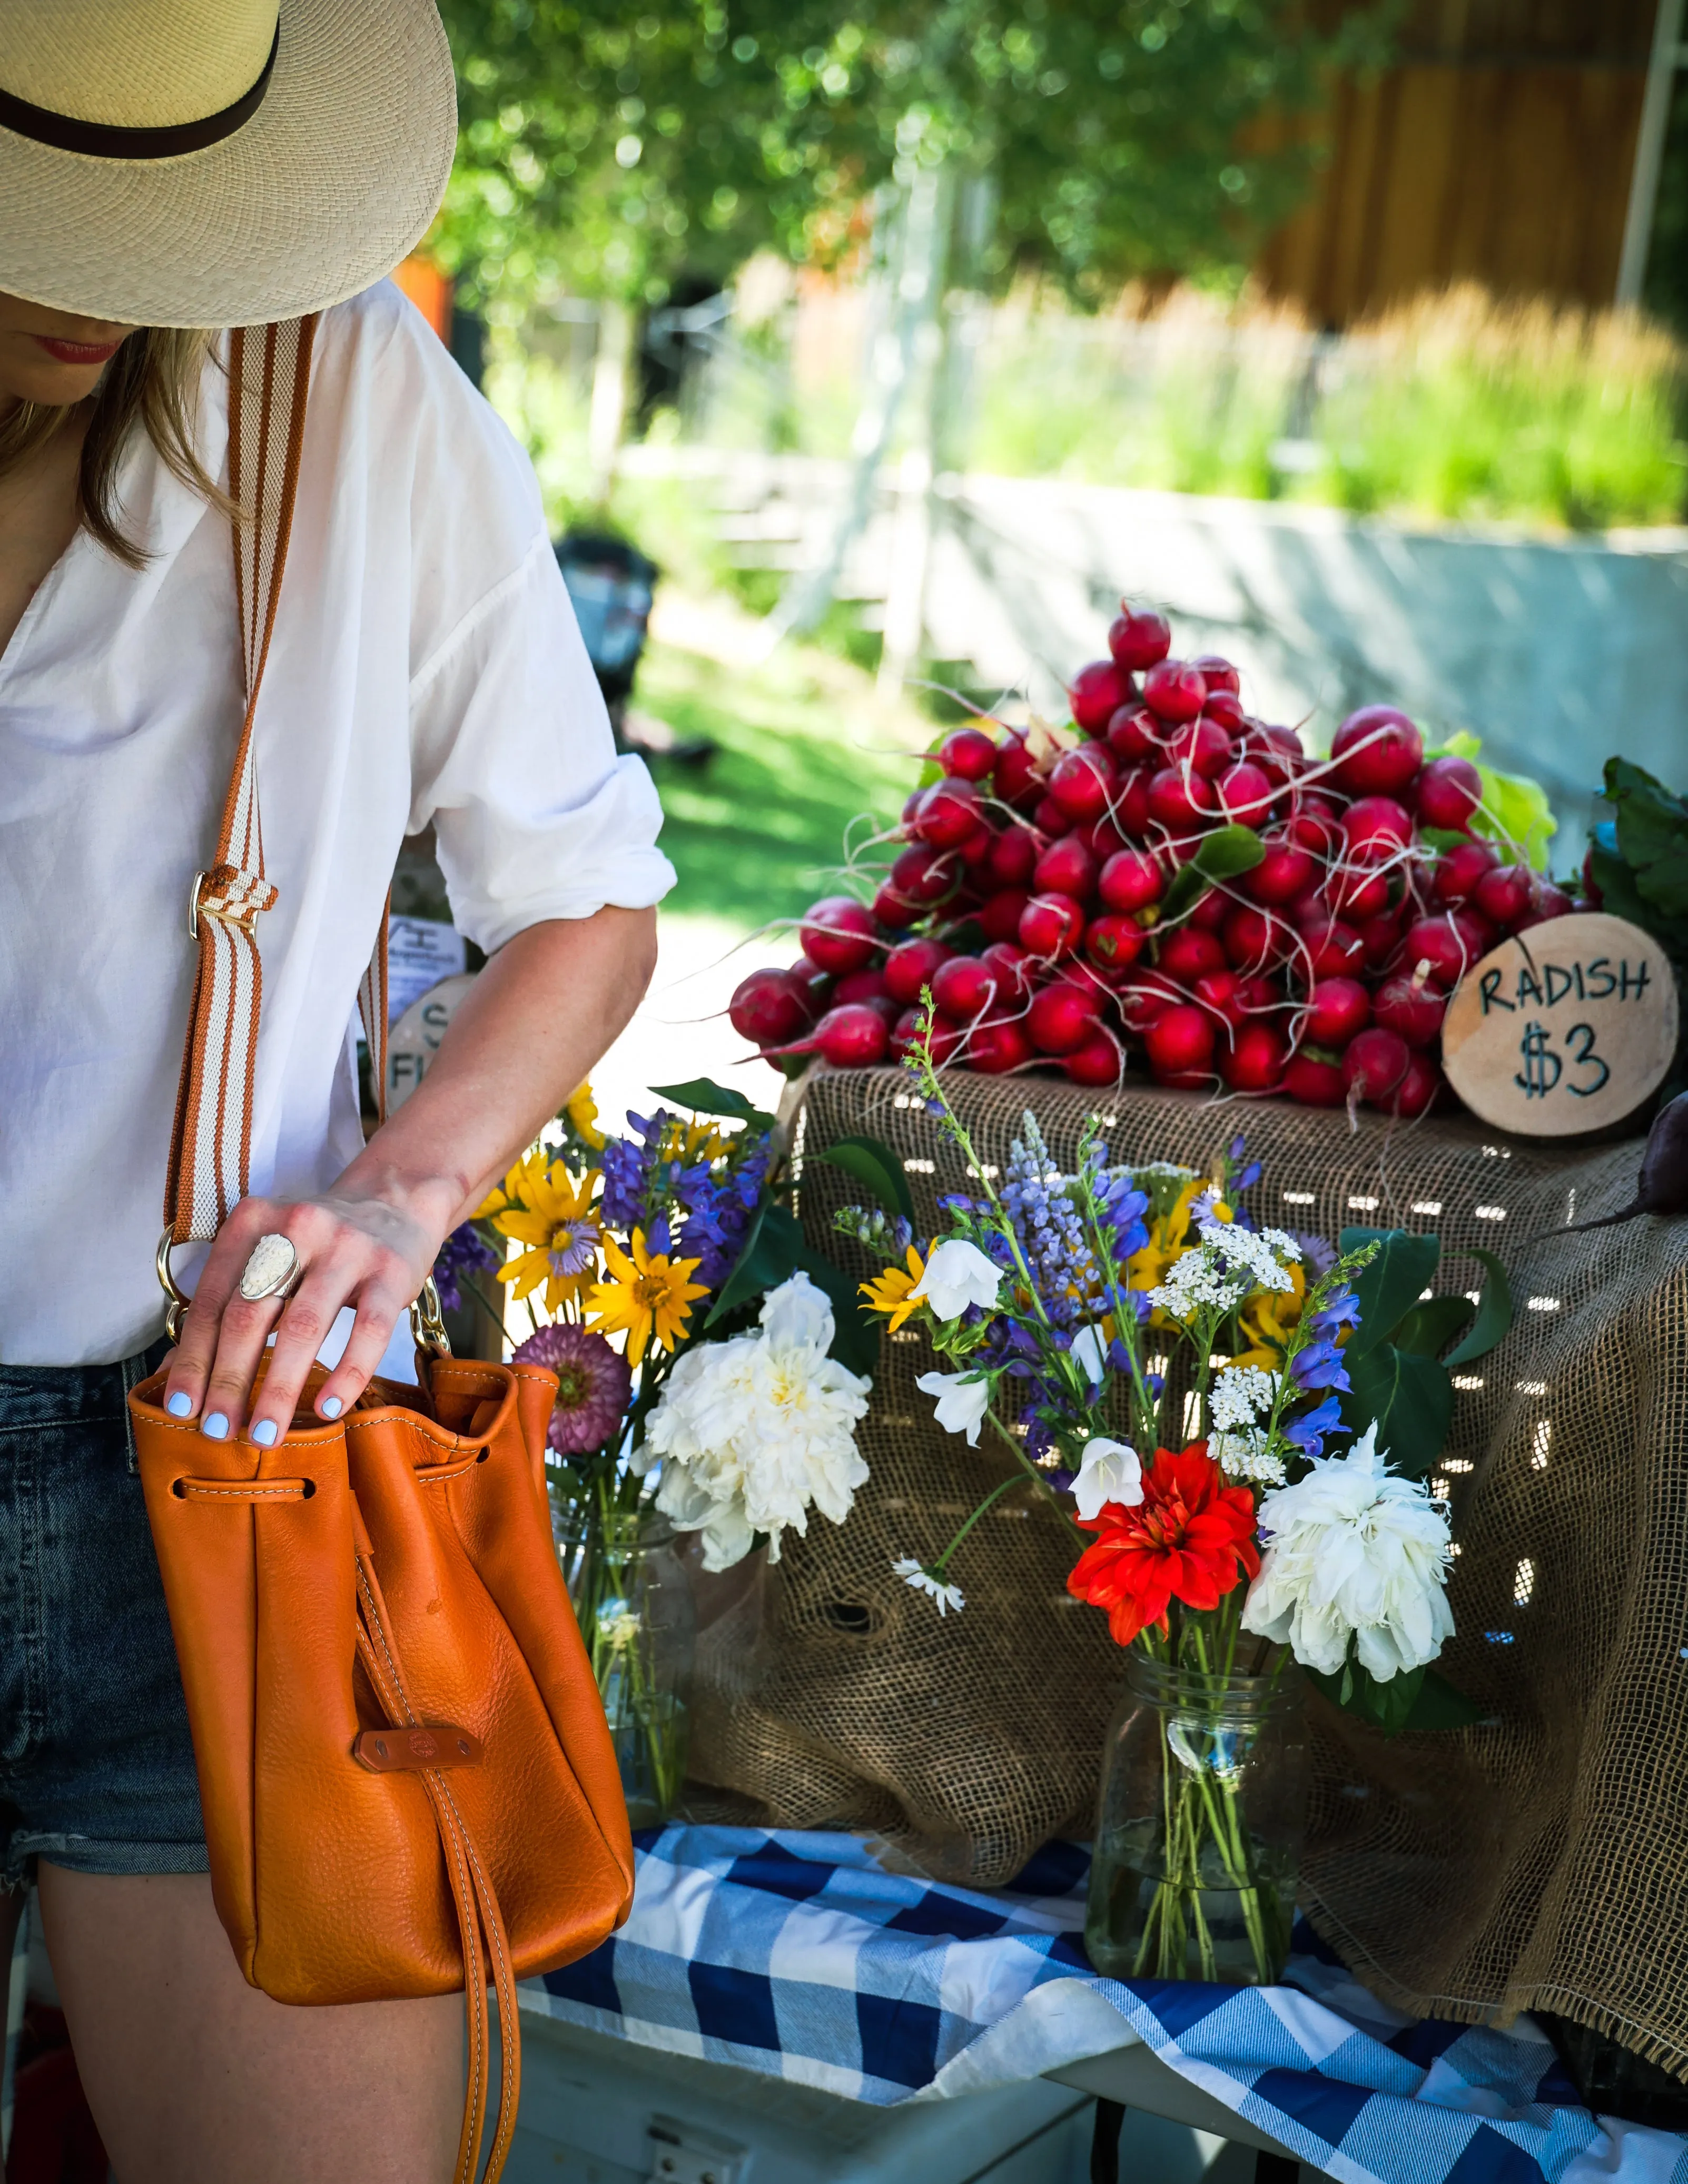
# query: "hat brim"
[[334, 179]]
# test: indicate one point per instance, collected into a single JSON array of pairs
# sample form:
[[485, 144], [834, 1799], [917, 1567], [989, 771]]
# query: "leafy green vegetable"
[[704, 1096], [876, 1167], [1638, 858], [1515, 808]]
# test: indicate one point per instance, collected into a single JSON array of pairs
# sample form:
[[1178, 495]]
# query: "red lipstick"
[[69, 352]]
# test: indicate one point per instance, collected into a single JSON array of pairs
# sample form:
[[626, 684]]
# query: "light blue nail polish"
[[264, 1432], [215, 1427], [180, 1404], [331, 1407]]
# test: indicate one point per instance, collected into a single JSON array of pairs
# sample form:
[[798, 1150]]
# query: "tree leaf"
[[1391, 1284], [1410, 1397], [704, 1096], [1493, 1314], [876, 1167], [1429, 1327]]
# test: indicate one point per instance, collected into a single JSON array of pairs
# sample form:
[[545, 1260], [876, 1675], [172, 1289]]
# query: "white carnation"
[[753, 1430], [1353, 1549]]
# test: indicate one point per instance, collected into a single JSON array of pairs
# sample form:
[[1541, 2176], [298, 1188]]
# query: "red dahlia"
[[1190, 1538]]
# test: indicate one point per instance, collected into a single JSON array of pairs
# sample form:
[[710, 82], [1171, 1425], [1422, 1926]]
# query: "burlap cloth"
[[1539, 1860]]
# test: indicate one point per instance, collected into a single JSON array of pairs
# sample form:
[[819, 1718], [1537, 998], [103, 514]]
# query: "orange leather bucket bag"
[[408, 1784]]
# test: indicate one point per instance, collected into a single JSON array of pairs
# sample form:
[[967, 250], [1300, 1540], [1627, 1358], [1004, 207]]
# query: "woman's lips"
[[69, 352]]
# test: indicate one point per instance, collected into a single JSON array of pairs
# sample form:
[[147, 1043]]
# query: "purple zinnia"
[[592, 1385]]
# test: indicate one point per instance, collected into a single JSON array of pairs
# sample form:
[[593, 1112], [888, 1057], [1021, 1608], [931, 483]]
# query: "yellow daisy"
[[550, 1211], [581, 1110], [648, 1295], [890, 1292], [1268, 1318]]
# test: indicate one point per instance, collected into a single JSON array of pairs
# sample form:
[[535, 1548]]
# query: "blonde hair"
[[153, 380]]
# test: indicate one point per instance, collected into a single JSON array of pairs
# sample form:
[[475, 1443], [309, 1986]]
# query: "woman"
[[170, 164]]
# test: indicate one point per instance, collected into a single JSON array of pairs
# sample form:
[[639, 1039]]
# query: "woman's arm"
[[534, 1024]]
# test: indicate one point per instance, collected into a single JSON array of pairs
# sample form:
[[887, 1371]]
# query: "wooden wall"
[[1496, 147]]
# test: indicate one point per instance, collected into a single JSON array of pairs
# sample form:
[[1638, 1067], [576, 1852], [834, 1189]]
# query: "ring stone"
[[269, 1269]]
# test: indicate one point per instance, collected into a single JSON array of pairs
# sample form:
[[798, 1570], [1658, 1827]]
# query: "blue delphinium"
[[463, 1253], [1310, 1429]]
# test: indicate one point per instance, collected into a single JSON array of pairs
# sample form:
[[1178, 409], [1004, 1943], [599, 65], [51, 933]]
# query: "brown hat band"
[[102, 140]]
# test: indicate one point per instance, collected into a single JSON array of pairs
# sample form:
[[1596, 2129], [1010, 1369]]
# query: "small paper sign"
[[1565, 1028], [419, 952], [415, 1040]]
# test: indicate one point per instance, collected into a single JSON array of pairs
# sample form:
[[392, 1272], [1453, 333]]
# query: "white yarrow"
[[1246, 1453], [1108, 1471], [917, 1574], [959, 1401], [1354, 1549], [958, 1274], [1239, 1395], [754, 1430]]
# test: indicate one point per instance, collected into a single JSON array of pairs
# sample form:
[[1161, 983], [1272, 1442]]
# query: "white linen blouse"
[[425, 666]]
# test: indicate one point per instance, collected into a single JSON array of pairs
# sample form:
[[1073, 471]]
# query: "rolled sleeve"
[[512, 762]]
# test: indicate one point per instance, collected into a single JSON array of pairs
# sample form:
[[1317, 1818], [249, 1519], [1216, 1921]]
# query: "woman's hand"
[[370, 1253], [532, 1027]]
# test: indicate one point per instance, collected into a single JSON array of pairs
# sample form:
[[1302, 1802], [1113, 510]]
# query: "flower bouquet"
[[704, 1380], [1210, 1403]]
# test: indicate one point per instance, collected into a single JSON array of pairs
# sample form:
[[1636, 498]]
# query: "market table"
[[802, 1957]]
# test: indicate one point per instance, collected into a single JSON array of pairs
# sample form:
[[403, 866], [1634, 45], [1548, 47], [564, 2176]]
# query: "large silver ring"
[[272, 1269]]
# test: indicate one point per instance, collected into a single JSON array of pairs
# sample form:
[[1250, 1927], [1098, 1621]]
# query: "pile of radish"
[[1171, 877]]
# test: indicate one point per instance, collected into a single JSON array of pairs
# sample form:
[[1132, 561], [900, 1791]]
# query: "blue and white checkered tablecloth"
[[799, 1955]]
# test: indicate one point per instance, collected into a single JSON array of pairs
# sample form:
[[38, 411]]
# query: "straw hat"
[[199, 162]]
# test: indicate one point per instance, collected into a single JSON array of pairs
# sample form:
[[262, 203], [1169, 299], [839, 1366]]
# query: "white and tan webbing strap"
[[269, 375]]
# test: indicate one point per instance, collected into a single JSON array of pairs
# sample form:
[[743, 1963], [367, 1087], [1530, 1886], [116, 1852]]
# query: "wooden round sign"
[[415, 1040], [1565, 1028]]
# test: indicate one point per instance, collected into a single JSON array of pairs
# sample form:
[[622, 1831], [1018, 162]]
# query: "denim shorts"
[[96, 1761]]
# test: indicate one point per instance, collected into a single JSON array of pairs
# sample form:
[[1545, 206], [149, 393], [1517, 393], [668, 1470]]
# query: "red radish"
[[964, 987], [767, 1008], [1181, 1042], [1225, 710], [1591, 890], [1203, 746], [1244, 793], [1219, 991], [1376, 823], [868, 985], [1014, 969], [1097, 693], [911, 805], [1415, 1093], [1131, 733], [1336, 1009], [1379, 937], [1049, 926], [1313, 1081], [838, 932], [946, 1037], [1050, 818], [1098, 1061], [968, 752], [889, 909], [948, 813], [1174, 690], [1457, 872], [1376, 751], [1258, 996], [1502, 894], [1144, 1000], [1217, 674], [1140, 637], [1315, 826], [911, 964], [1180, 801], [1187, 952], [1449, 945], [1131, 802], [1113, 943], [1282, 873], [1334, 949], [1065, 867], [810, 980], [1012, 856], [997, 1048], [976, 850], [1447, 794], [1411, 1006], [921, 874], [1081, 781], [1374, 1064], [1547, 901], [1105, 840], [1276, 751], [1208, 911], [999, 918], [1253, 1060], [1015, 777], [1060, 1018], [1358, 893], [1131, 881], [853, 1036]]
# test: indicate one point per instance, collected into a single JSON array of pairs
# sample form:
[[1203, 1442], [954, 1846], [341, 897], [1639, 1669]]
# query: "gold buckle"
[[176, 1311], [246, 919]]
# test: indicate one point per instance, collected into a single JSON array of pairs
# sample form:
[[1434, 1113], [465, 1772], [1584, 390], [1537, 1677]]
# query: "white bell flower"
[[1089, 1353], [1354, 1549], [957, 1274], [1108, 1471], [754, 1430], [960, 1401]]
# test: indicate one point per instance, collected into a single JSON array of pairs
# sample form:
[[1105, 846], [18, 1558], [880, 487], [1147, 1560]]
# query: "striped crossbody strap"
[[211, 1150]]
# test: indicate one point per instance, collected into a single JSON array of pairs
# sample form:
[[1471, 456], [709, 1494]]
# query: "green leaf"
[[1493, 1314], [1220, 856], [705, 1097], [855, 1330], [1515, 808], [876, 1167], [770, 1255], [1411, 1398], [1652, 835], [1429, 1327], [1388, 1707], [1387, 1289], [1440, 1705], [1441, 837]]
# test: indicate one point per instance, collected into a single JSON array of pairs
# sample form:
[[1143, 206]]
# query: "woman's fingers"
[[378, 1311], [189, 1368]]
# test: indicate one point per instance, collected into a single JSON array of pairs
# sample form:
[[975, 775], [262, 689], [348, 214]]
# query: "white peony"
[[959, 1401], [1108, 1471], [1353, 1549], [751, 1431], [957, 1274]]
